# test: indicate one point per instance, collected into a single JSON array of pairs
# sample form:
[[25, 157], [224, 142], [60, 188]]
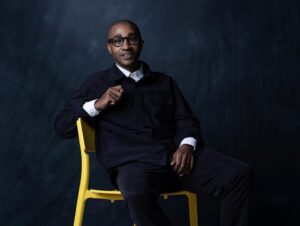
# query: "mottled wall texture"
[[237, 63]]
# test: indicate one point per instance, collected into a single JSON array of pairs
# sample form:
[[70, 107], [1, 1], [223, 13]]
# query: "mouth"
[[127, 56]]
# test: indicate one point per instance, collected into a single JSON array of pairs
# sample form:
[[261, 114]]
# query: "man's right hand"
[[111, 97]]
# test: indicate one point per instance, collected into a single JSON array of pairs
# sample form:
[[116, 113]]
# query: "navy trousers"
[[214, 174]]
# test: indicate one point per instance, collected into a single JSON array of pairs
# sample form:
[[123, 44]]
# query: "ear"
[[109, 48], [141, 44]]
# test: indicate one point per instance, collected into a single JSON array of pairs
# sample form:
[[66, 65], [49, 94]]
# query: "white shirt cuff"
[[189, 140], [89, 107]]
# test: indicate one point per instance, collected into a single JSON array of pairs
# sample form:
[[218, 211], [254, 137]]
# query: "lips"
[[127, 56]]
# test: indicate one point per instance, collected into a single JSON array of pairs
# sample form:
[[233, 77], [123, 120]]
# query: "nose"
[[125, 44]]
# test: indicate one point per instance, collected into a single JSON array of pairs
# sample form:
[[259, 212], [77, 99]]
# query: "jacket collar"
[[116, 75]]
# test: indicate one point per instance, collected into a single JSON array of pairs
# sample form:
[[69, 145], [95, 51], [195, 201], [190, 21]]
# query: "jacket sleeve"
[[65, 121], [187, 125]]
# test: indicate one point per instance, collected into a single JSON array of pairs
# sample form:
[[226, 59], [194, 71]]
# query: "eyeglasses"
[[118, 40]]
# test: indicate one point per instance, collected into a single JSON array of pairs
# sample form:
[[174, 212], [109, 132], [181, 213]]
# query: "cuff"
[[89, 107], [189, 140]]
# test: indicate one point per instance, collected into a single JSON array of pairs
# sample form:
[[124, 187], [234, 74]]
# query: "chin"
[[128, 63]]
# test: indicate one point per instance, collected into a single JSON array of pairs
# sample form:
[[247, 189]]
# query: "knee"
[[132, 190], [139, 197]]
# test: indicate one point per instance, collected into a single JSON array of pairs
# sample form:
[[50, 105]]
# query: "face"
[[127, 54]]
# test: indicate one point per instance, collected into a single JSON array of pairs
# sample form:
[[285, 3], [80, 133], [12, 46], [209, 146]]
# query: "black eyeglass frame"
[[123, 38]]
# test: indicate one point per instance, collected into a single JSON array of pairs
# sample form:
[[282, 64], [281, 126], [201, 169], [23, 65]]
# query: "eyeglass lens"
[[118, 41]]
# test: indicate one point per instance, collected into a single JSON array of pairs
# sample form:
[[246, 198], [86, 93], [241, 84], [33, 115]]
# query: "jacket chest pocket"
[[159, 108]]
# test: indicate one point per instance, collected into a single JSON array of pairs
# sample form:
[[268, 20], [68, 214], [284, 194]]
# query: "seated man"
[[148, 138]]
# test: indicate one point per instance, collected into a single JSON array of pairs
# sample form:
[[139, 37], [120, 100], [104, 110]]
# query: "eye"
[[117, 41], [133, 39]]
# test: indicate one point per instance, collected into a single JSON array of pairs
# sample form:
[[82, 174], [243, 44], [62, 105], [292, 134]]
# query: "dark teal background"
[[237, 63]]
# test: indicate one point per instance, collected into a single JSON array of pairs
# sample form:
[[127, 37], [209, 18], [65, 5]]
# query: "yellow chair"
[[86, 135]]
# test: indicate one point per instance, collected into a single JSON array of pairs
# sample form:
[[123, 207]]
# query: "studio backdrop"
[[236, 62]]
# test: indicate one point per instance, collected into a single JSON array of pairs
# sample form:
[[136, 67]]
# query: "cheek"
[[114, 53], [138, 50]]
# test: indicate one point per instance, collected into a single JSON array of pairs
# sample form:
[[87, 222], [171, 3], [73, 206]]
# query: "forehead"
[[121, 29]]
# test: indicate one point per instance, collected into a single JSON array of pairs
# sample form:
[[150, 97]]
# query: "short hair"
[[131, 23]]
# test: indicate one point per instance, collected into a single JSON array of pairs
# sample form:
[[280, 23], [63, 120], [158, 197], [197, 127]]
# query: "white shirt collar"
[[136, 75]]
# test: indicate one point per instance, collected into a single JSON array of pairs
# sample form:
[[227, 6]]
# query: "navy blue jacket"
[[146, 125]]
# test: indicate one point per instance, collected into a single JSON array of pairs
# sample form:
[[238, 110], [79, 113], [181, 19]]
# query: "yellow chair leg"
[[79, 211], [193, 209]]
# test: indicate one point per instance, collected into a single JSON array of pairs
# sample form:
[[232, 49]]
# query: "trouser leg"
[[223, 177], [141, 184]]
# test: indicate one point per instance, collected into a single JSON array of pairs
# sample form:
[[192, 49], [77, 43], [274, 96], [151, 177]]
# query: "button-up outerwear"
[[147, 124]]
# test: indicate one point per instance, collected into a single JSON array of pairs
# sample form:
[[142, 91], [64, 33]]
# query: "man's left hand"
[[183, 160]]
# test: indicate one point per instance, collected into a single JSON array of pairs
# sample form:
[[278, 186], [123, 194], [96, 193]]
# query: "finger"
[[191, 164], [177, 161], [113, 100], [113, 97], [115, 93], [172, 163], [183, 165], [117, 88]]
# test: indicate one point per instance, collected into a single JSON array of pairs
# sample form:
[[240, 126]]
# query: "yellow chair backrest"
[[86, 135]]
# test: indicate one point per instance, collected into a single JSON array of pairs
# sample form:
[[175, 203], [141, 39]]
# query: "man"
[[148, 138]]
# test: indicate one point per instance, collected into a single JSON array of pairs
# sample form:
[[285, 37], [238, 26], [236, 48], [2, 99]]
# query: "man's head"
[[125, 44]]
